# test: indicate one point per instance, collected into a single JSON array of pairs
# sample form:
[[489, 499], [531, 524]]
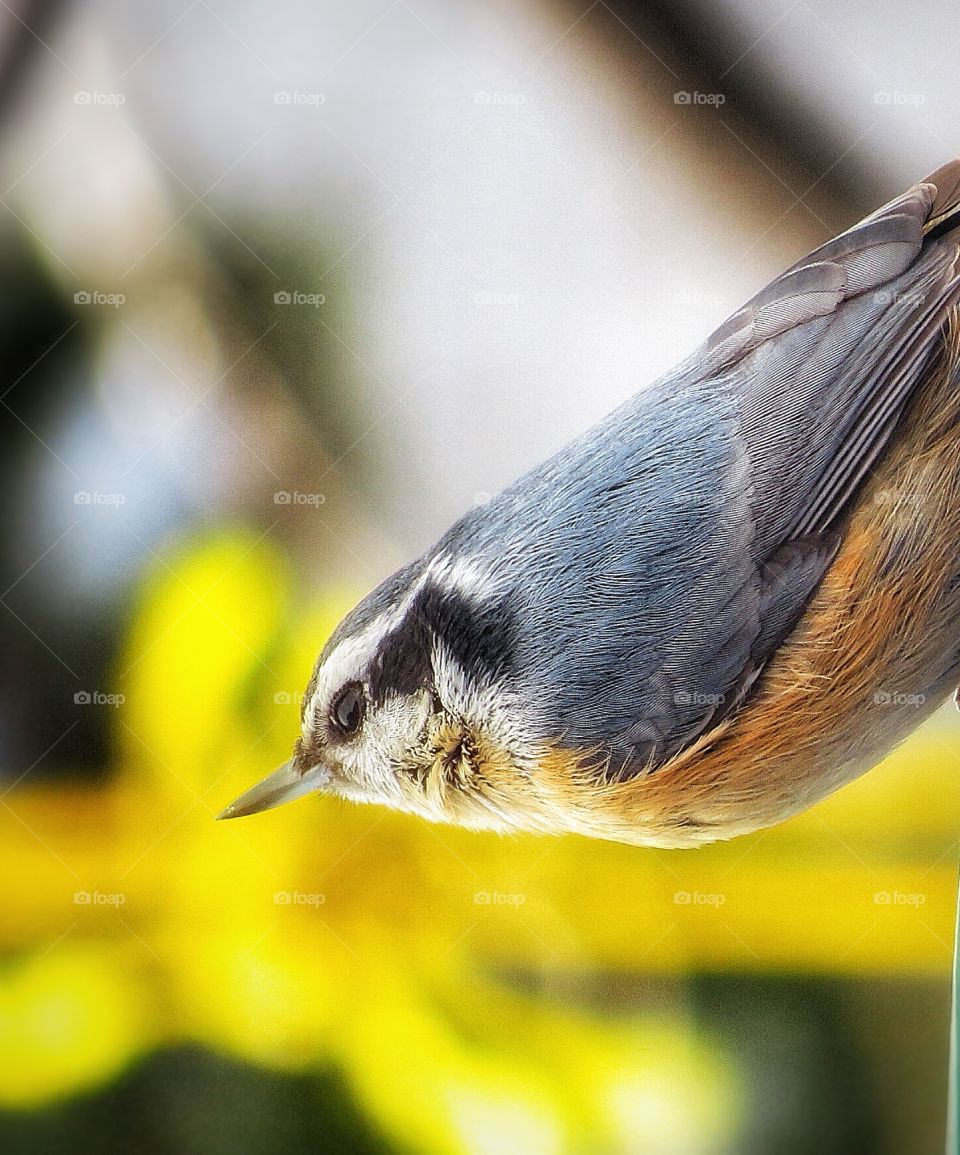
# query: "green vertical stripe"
[[953, 1088]]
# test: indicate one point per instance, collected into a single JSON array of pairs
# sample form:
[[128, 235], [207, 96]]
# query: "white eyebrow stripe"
[[465, 574], [351, 655]]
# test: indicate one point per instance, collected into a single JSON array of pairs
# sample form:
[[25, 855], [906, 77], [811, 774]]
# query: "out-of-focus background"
[[285, 288]]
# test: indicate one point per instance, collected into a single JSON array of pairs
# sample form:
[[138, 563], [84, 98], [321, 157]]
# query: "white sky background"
[[529, 226]]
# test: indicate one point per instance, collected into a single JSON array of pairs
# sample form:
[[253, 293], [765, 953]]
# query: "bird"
[[730, 597]]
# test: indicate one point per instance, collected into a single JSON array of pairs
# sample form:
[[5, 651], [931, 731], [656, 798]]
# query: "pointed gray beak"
[[283, 785]]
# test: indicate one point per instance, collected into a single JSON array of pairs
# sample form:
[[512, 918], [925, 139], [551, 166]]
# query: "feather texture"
[[656, 563]]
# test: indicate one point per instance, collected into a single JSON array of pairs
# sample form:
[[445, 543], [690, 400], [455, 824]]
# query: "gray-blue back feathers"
[[638, 580]]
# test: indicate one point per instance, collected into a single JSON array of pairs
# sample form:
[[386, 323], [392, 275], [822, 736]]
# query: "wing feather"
[[821, 365]]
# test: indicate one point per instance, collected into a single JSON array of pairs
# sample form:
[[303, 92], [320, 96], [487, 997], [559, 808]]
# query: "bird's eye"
[[348, 709]]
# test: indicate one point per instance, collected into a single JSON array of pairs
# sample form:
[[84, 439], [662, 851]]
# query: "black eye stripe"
[[348, 709], [481, 638], [402, 664]]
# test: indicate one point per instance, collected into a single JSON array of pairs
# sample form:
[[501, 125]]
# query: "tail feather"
[[945, 210]]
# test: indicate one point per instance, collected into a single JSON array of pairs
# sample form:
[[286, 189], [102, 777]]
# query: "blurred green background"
[[285, 289]]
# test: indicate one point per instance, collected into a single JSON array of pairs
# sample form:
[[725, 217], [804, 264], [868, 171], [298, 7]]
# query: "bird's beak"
[[283, 785]]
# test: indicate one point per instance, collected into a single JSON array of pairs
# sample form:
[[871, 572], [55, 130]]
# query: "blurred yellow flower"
[[328, 933], [69, 1019]]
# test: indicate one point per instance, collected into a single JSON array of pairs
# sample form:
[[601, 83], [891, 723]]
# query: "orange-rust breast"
[[877, 650]]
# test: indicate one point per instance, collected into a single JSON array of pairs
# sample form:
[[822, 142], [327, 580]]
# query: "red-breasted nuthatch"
[[734, 594]]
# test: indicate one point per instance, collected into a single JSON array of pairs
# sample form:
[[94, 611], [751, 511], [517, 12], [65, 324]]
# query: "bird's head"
[[409, 705]]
